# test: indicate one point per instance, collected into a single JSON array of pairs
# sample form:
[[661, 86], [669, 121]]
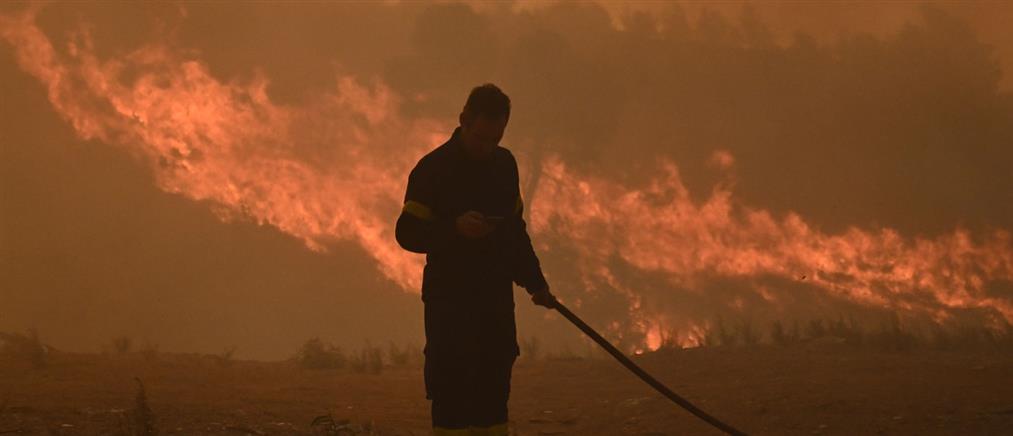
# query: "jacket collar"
[[456, 145], [455, 138]]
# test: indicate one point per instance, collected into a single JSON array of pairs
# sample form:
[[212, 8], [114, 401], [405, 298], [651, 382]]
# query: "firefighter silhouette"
[[463, 210]]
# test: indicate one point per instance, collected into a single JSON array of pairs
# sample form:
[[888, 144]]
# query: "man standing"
[[463, 209]]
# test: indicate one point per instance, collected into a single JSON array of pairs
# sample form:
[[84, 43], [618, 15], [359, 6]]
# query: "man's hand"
[[473, 225], [544, 298]]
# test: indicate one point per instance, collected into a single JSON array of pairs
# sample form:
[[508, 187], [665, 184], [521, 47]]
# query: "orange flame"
[[659, 228]]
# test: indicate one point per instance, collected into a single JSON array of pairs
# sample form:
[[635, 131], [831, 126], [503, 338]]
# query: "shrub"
[[777, 334], [25, 347], [399, 356], [316, 354], [369, 359], [710, 338], [848, 330], [726, 337], [746, 334], [225, 357], [892, 336], [815, 329], [531, 348], [966, 337], [122, 344]]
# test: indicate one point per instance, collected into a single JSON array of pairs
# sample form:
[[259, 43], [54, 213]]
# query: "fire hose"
[[647, 378]]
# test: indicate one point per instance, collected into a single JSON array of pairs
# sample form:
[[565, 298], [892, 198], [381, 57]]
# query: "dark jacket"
[[466, 278]]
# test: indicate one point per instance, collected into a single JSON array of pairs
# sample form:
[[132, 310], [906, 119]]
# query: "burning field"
[[799, 215]]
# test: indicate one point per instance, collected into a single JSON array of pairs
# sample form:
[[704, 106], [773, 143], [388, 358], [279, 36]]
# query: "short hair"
[[487, 101]]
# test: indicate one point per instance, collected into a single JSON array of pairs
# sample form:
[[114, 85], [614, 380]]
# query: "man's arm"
[[418, 228], [528, 270]]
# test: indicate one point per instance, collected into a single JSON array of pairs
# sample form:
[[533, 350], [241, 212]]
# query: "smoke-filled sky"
[[201, 176]]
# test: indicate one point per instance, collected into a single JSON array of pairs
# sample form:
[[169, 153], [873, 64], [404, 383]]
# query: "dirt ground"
[[808, 389]]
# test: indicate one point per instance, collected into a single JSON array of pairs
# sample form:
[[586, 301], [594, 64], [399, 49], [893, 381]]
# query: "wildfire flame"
[[659, 228], [335, 170]]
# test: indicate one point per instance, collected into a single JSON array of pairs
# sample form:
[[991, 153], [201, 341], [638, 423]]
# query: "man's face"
[[481, 134]]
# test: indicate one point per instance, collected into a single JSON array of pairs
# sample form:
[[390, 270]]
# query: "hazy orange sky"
[[205, 175]]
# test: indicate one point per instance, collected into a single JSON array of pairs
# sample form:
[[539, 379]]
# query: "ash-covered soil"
[[805, 389]]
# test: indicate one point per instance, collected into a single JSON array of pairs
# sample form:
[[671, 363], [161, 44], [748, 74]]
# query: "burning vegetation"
[[330, 169]]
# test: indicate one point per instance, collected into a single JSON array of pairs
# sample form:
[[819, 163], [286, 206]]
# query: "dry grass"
[[25, 347]]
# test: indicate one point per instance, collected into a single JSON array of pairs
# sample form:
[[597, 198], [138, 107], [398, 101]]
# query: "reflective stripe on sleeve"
[[418, 210]]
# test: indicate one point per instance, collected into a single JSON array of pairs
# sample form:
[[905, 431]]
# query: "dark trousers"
[[470, 351], [470, 392]]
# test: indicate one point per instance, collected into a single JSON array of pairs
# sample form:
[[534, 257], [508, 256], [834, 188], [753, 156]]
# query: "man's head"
[[484, 119]]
